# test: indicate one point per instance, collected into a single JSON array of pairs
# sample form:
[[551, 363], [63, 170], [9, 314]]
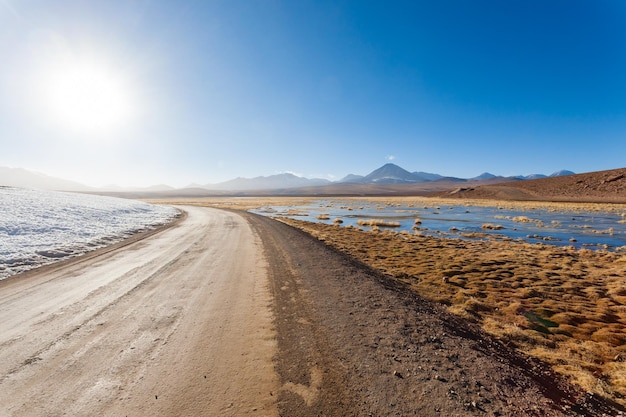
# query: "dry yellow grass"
[[377, 223], [562, 305], [525, 219], [490, 226], [235, 203]]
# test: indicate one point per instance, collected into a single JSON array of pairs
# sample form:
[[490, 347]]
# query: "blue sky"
[[205, 91]]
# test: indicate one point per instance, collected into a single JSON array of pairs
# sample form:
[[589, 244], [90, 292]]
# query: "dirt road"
[[353, 342], [177, 324], [230, 314]]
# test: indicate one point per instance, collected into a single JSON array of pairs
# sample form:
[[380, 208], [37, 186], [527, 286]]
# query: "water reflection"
[[594, 230]]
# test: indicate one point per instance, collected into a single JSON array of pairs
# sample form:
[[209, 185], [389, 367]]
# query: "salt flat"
[[41, 227], [155, 328]]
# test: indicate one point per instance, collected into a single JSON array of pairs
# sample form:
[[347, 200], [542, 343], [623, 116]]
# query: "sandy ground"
[[177, 324]]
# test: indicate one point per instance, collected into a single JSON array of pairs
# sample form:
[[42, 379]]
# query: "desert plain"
[[230, 312], [561, 305]]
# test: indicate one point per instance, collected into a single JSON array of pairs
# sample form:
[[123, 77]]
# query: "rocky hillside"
[[600, 186]]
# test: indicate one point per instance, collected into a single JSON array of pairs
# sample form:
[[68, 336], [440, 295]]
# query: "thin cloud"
[[390, 157]]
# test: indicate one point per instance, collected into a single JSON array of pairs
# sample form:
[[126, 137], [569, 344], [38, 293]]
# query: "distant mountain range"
[[23, 178], [393, 174], [388, 174], [286, 180]]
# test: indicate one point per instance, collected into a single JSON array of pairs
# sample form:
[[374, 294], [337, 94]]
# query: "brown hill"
[[601, 186]]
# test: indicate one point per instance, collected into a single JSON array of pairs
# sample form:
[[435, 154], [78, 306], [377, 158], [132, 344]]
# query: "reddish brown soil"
[[601, 186]]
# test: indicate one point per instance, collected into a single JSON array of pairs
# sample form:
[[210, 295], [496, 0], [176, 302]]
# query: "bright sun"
[[87, 98]]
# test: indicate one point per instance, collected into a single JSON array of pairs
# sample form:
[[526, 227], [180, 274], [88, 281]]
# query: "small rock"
[[398, 374]]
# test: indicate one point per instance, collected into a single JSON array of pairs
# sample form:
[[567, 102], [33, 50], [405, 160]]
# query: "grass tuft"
[[377, 223]]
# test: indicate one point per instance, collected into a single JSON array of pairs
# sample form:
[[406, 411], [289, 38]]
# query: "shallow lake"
[[562, 227]]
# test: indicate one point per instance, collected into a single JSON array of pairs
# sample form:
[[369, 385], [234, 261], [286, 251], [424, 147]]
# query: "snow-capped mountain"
[[394, 174], [561, 173], [389, 174]]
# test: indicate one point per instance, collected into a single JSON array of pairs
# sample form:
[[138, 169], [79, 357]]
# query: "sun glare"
[[87, 98]]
